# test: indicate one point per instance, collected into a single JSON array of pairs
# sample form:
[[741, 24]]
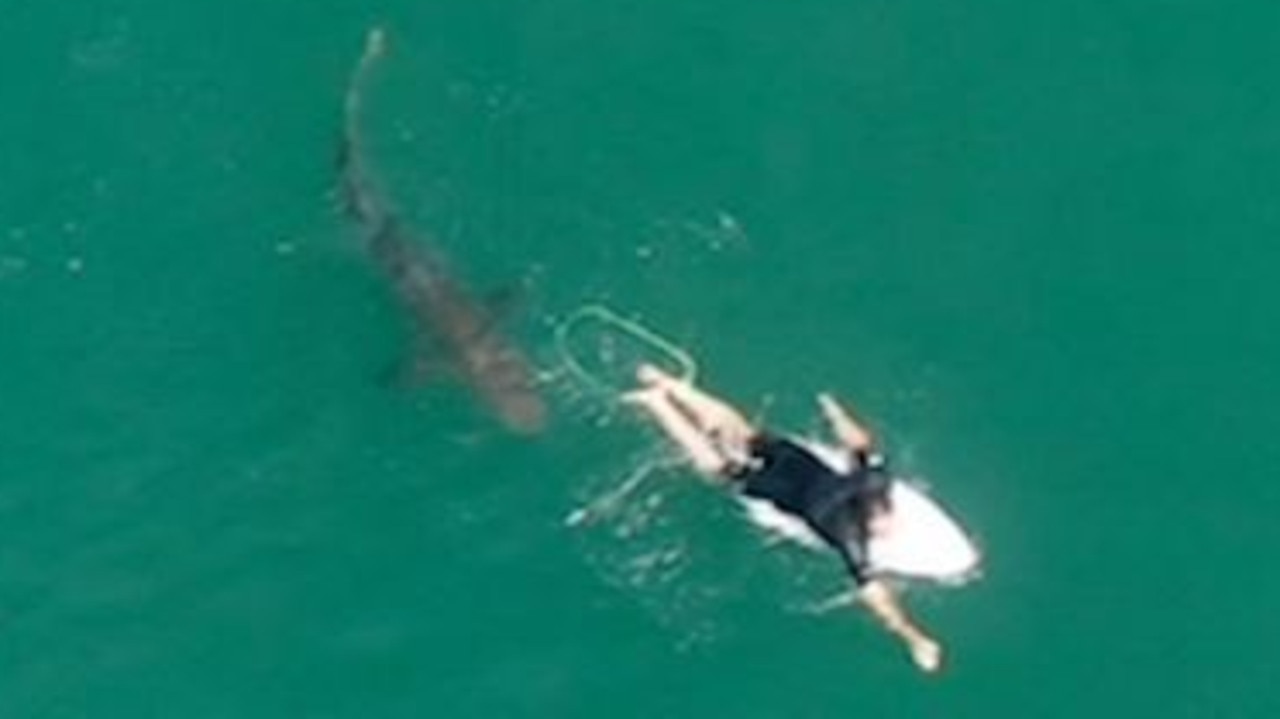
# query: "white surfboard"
[[923, 541]]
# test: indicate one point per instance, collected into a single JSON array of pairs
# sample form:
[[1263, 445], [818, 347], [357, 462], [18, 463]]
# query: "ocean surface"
[[1035, 245]]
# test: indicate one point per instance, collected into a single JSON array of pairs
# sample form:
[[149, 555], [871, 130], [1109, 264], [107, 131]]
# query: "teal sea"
[[1036, 245]]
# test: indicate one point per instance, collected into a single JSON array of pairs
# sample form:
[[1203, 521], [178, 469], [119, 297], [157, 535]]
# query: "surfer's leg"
[[678, 427], [711, 415]]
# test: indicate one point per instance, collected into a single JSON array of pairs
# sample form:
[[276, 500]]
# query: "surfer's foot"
[[645, 397], [649, 375]]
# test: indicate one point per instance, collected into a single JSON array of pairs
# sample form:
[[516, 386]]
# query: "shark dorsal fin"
[[503, 302]]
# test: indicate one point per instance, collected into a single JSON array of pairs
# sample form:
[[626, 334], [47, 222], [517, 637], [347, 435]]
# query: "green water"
[[1034, 243]]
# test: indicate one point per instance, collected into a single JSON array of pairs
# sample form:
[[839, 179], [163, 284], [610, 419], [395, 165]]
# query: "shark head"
[[522, 412], [503, 379]]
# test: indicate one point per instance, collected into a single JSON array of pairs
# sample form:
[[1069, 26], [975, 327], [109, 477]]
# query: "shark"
[[457, 331]]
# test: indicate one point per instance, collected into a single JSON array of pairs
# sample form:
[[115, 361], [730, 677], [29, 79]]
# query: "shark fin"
[[421, 368]]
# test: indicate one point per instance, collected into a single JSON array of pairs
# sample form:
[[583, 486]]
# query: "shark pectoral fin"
[[501, 304]]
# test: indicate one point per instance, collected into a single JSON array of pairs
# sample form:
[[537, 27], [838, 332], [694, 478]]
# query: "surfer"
[[844, 508]]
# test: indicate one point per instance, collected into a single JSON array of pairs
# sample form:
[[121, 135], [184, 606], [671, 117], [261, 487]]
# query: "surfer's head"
[[879, 516], [872, 496]]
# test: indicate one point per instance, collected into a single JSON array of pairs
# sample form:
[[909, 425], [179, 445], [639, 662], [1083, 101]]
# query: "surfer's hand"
[[926, 653], [830, 409], [849, 431]]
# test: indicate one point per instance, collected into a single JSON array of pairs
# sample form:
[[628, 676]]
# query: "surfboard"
[[924, 541]]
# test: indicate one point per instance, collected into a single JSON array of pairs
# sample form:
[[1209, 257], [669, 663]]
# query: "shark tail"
[[358, 193]]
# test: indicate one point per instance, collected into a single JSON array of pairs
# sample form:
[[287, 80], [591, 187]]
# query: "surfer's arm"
[[852, 434], [883, 604]]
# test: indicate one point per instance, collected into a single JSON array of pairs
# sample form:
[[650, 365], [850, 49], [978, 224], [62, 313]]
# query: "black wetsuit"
[[834, 504]]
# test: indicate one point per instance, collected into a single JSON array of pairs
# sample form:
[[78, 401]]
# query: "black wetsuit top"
[[834, 504]]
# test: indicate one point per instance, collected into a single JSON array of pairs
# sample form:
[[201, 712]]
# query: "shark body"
[[465, 329]]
